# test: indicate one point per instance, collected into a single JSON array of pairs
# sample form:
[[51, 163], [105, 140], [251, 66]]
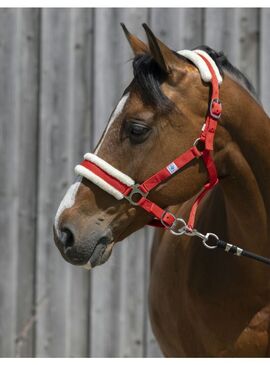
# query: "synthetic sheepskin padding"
[[125, 179], [212, 62], [194, 57], [81, 170]]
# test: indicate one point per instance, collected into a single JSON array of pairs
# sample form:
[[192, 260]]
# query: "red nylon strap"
[[159, 213], [214, 112], [118, 185], [207, 136], [165, 173], [213, 180]]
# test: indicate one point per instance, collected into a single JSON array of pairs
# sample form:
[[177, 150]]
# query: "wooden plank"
[[179, 28], [236, 32], [18, 105], [62, 327], [117, 306], [265, 59], [223, 34]]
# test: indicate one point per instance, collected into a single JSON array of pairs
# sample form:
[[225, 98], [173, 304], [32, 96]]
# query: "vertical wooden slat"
[[117, 307], [179, 28], [62, 327], [18, 146], [236, 32], [224, 32], [265, 59]]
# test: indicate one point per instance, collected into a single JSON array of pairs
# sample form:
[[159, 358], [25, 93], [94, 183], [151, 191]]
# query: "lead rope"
[[211, 241]]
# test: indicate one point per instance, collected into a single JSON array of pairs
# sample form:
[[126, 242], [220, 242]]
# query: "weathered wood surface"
[[66, 38], [62, 71], [264, 69], [18, 164]]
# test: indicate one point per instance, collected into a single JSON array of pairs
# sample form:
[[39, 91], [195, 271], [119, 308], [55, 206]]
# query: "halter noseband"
[[122, 186]]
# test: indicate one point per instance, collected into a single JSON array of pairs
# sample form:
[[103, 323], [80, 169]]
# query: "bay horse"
[[202, 302]]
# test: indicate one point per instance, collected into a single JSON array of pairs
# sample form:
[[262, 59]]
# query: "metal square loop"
[[135, 190]]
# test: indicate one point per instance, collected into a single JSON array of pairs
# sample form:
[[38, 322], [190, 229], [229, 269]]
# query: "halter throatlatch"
[[122, 186]]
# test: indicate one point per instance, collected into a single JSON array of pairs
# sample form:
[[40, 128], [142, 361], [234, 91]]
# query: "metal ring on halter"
[[135, 190], [206, 239], [181, 230], [196, 142]]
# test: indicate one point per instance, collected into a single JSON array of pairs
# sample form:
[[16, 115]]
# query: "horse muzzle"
[[89, 251]]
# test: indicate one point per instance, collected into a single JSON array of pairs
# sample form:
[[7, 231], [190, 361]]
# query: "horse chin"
[[99, 260]]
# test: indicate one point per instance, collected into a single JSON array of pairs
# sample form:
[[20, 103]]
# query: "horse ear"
[[138, 46], [163, 55]]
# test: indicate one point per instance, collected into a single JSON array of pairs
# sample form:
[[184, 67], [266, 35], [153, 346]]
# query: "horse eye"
[[137, 132]]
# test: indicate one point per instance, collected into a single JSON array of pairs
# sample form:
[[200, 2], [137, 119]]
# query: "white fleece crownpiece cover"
[[194, 57], [83, 171]]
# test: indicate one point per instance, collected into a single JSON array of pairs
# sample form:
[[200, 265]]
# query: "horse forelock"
[[148, 77]]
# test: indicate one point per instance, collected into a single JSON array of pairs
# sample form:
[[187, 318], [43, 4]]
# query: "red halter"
[[137, 193]]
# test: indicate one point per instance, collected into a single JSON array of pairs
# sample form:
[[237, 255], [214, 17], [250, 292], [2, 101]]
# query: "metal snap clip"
[[211, 247]]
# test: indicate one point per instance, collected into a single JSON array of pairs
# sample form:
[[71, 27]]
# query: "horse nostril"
[[67, 238]]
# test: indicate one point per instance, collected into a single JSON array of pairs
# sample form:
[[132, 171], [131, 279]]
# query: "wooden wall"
[[61, 73]]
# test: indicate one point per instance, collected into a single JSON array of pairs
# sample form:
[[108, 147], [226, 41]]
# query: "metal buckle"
[[216, 100], [135, 190], [162, 217], [174, 229]]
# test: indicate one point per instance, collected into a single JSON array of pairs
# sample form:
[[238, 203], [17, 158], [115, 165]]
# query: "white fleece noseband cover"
[[125, 179], [193, 56]]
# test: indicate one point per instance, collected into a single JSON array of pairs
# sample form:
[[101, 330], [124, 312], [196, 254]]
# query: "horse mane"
[[148, 77], [224, 65]]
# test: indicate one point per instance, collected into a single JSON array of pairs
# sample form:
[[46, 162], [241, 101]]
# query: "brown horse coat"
[[202, 302]]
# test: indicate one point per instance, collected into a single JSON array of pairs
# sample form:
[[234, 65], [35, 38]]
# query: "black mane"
[[224, 64], [148, 76]]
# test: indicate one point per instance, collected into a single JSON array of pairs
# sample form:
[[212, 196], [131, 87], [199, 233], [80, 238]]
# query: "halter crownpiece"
[[194, 57], [120, 186]]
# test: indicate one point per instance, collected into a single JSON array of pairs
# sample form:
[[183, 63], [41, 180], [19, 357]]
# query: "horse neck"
[[246, 160]]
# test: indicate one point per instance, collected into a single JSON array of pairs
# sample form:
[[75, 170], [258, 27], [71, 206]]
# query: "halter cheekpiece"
[[122, 186]]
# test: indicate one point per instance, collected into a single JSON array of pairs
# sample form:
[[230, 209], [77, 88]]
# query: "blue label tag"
[[172, 168]]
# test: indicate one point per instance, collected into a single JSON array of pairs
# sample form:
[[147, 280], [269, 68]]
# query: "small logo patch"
[[172, 168]]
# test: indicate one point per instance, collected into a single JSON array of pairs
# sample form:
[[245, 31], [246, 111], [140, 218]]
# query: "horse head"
[[158, 117]]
